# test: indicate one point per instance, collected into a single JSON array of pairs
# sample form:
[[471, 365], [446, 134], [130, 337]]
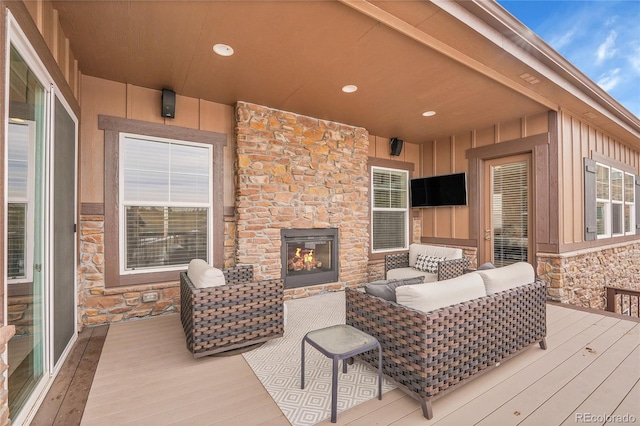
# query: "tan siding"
[[220, 118], [463, 142], [448, 155], [411, 153], [34, 8], [536, 124], [139, 103], [443, 215], [383, 148], [60, 42], [48, 25], [98, 97], [578, 139], [428, 169], [510, 130], [187, 112], [486, 136], [372, 146], [144, 104], [566, 188]]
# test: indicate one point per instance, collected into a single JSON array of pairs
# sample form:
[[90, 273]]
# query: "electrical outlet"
[[150, 297]]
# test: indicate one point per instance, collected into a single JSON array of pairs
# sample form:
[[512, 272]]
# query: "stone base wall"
[[6, 333], [298, 172], [579, 277], [100, 305]]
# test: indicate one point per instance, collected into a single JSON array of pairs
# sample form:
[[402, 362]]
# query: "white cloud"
[[610, 79], [634, 59], [562, 40], [607, 49]]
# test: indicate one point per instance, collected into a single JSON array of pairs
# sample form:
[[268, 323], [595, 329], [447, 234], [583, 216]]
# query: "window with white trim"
[[389, 209], [629, 204], [165, 196], [615, 202], [20, 201]]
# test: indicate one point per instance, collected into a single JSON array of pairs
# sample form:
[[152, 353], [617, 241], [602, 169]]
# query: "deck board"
[[592, 365], [558, 408]]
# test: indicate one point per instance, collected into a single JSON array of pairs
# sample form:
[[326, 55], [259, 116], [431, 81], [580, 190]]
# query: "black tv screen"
[[443, 190]]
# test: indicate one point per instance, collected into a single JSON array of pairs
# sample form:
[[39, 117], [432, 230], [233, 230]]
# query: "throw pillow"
[[386, 289], [486, 266], [202, 275], [426, 263]]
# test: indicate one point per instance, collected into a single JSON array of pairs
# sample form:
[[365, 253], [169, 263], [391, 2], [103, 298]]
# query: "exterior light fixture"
[[428, 113], [223, 49], [349, 88]]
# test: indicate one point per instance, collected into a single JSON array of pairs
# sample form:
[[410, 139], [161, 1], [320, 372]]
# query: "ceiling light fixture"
[[349, 88], [223, 49], [428, 113]]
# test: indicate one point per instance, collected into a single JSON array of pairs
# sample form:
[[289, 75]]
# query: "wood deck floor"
[[591, 367]]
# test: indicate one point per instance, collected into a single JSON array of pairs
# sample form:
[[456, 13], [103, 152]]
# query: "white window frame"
[[406, 209], [610, 202], [606, 202], [613, 202], [123, 205], [29, 200], [631, 204]]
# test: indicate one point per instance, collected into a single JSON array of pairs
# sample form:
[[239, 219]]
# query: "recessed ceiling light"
[[428, 113], [223, 49], [349, 88]]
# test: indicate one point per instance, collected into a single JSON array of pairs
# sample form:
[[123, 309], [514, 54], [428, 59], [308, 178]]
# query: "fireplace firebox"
[[309, 256]]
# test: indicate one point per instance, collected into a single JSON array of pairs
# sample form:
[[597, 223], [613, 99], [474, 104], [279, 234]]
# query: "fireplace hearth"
[[309, 256]]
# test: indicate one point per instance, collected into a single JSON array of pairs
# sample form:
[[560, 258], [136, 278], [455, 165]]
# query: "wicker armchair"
[[446, 269], [238, 314]]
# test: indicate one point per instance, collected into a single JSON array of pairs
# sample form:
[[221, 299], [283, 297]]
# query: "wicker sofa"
[[235, 315], [401, 265], [428, 354]]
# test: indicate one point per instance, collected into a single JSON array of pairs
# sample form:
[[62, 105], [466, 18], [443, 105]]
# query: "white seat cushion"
[[506, 277], [202, 275], [431, 296]]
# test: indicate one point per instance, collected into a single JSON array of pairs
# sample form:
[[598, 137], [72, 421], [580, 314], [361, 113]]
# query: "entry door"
[[507, 218]]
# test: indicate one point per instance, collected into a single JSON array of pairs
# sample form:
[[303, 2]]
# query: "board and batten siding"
[[449, 155], [578, 140], [104, 97]]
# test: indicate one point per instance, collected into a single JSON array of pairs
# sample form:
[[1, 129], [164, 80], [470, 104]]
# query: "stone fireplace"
[[309, 257], [300, 173]]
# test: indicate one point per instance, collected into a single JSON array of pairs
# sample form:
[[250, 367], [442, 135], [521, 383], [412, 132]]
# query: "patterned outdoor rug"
[[277, 365]]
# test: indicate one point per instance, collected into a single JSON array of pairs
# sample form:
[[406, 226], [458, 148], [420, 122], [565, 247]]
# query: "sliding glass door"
[[40, 207], [26, 269]]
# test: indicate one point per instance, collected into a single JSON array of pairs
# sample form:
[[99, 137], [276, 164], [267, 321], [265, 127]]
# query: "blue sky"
[[601, 38]]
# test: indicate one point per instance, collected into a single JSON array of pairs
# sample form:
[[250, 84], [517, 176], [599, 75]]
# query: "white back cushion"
[[431, 296], [202, 275], [435, 251], [506, 277]]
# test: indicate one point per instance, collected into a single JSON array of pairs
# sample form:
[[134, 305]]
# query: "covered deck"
[[589, 373]]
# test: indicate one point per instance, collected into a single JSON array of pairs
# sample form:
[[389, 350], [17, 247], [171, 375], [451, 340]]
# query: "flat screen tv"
[[443, 190]]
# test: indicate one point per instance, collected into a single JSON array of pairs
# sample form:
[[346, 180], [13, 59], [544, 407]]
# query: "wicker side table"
[[341, 342]]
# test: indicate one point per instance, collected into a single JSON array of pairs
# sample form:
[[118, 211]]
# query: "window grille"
[[390, 210]]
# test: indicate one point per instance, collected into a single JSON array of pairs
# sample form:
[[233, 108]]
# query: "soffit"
[[296, 56]]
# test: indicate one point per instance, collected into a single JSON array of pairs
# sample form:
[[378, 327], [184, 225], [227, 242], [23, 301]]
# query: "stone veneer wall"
[[579, 278], [300, 172], [98, 304], [6, 333]]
